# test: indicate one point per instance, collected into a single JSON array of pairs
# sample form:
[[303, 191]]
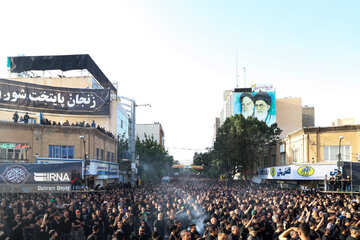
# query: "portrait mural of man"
[[247, 104], [260, 105]]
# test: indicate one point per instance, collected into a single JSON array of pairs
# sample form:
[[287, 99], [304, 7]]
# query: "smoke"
[[197, 212]]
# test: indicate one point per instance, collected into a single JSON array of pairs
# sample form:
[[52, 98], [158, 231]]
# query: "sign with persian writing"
[[41, 98]]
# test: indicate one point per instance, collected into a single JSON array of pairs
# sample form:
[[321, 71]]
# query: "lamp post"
[[339, 155], [131, 109], [85, 162]]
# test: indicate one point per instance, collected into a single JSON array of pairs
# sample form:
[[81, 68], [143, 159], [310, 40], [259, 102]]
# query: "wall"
[[308, 116], [288, 115], [39, 137], [150, 130]]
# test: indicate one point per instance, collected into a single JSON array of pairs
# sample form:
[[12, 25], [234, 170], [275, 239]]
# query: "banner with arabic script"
[[41, 98]]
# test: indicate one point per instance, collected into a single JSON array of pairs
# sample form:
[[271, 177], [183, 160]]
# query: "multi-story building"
[[72, 92], [305, 156], [152, 130]]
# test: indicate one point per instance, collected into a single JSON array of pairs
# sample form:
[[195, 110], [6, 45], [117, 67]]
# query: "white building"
[[152, 130]]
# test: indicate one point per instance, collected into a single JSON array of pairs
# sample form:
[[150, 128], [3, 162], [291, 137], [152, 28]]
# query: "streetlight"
[[85, 162], [339, 155], [131, 109]]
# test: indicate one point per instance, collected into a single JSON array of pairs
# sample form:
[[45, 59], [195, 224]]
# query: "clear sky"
[[180, 55]]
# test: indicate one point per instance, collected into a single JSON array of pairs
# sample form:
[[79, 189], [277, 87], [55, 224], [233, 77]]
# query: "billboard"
[[260, 105], [30, 177], [298, 172], [41, 98]]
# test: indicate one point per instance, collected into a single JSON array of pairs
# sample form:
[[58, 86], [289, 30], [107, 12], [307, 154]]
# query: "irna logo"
[[51, 177]]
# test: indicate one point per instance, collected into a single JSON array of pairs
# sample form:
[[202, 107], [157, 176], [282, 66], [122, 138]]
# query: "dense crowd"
[[45, 121], [187, 209]]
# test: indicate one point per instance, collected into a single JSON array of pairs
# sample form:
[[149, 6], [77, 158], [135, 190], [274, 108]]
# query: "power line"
[[188, 149]]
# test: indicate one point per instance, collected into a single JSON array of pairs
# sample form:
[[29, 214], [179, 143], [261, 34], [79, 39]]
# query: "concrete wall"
[[150, 130], [308, 116], [288, 115]]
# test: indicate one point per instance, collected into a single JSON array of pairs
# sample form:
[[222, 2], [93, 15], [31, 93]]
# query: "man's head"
[[262, 105], [253, 231], [53, 233], [141, 230], [192, 228], [95, 229], [235, 230], [304, 230], [247, 104], [213, 230], [185, 235], [222, 236], [354, 231]]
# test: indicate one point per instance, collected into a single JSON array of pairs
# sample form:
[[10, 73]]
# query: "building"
[[154, 130], [35, 143], [63, 90], [314, 149], [289, 113]]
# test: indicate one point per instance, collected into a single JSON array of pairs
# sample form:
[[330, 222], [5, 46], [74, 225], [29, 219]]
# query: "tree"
[[155, 162], [240, 145]]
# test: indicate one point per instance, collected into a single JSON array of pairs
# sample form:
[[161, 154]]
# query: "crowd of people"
[[189, 209], [45, 121]]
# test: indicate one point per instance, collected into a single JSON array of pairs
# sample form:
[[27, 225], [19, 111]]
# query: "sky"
[[179, 56]]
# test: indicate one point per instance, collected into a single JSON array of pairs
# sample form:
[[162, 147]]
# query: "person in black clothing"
[[95, 233], [213, 232], [26, 118], [235, 233], [17, 228], [53, 234], [78, 226], [16, 117], [354, 234], [40, 229], [193, 232], [65, 226], [55, 224], [159, 225]]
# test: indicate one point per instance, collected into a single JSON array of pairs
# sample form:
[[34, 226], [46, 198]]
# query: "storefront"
[[297, 176]]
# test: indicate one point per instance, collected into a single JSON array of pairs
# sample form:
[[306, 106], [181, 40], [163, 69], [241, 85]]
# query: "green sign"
[[7, 145]]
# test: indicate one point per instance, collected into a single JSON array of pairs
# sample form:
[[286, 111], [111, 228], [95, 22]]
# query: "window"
[[296, 155], [61, 151], [108, 156], [97, 153], [13, 151], [102, 154], [331, 153], [283, 158], [112, 157]]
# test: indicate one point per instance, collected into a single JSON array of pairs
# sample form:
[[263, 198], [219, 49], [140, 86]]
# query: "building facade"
[[154, 130], [43, 143], [35, 143], [314, 148]]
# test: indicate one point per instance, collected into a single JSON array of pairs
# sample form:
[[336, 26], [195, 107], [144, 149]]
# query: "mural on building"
[[260, 105]]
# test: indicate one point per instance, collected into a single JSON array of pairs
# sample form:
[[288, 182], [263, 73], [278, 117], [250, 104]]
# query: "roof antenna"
[[236, 69], [244, 77]]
